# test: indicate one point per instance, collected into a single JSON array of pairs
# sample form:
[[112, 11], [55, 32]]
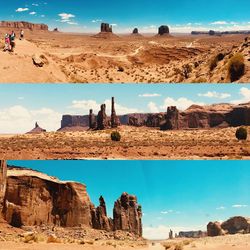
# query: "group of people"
[[10, 40]]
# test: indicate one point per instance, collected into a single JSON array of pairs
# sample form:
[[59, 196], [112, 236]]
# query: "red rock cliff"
[[24, 25]]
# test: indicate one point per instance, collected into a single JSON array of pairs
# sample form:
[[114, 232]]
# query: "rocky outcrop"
[[102, 118], [74, 121], [99, 217], [127, 214], [3, 178], [105, 27], [214, 229], [24, 25], [192, 234], [163, 30], [236, 225], [37, 130], [135, 31], [31, 198], [33, 201], [171, 119]]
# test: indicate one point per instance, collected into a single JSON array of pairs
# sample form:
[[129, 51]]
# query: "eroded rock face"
[[105, 27], [74, 121], [163, 30], [214, 229], [102, 119], [24, 25], [92, 120], [34, 201], [236, 225], [127, 214], [172, 119], [3, 179], [99, 217]]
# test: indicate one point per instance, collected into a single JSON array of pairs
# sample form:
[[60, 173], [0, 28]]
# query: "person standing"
[[21, 35]]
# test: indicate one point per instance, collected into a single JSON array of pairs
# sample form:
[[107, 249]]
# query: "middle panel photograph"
[[124, 121]]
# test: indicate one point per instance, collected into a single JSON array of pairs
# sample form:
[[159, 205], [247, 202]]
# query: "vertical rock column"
[[3, 174], [128, 215], [115, 122], [92, 122]]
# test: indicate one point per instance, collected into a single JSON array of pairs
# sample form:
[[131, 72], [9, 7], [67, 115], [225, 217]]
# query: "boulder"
[[37, 60], [127, 214], [163, 30], [214, 229], [236, 225]]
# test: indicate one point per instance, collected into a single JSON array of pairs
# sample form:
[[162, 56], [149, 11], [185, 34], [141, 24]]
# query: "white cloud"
[[219, 23], [22, 9], [85, 105], [67, 18], [35, 4], [181, 103], [10, 117], [32, 13], [239, 206], [161, 232], [96, 21], [149, 95], [214, 94], [167, 211], [153, 107], [220, 208], [245, 93]]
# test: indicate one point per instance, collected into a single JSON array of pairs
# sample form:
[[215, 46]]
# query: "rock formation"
[[92, 120], [214, 229], [135, 31], [236, 225], [3, 178], [102, 119], [74, 121], [172, 119], [24, 25], [105, 27], [31, 198], [37, 130], [192, 234], [99, 217], [171, 235], [115, 122], [163, 30], [127, 214]]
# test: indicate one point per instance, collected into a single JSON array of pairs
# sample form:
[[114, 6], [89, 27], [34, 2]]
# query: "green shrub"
[[236, 67], [115, 136], [241, 134]]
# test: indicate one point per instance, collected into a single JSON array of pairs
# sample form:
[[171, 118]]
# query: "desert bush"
[[241, 134], [179, 246], [215, 60], [53, 239], [115, 136], [167, 245], [236, 67]]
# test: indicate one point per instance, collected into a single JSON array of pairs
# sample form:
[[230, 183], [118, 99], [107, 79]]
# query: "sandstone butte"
[[195, 117], [30, 198], [23, 25]]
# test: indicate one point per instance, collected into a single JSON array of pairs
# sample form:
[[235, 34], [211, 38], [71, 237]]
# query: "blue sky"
[[84, 16], [182, 195], [24, 104]]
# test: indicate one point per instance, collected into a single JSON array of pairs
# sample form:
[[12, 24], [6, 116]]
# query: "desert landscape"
[[52, 56], [200, 132], [40, 211]]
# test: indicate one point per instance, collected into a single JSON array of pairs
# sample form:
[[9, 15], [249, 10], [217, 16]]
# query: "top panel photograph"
[[143, 41]]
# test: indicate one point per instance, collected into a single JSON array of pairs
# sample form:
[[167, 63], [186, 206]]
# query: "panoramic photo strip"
[[124, 121], [139, 41], [147, 205]]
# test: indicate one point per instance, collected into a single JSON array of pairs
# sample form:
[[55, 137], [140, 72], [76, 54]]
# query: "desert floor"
[[80, 58], [233, 242], [136, 143]]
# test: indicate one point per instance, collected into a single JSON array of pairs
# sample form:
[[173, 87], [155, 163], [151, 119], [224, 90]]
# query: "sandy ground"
[[232, 242], [136, 143], [124, 59]]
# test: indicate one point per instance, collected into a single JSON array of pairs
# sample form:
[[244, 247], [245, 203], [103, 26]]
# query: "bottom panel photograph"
[[124, 205]]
